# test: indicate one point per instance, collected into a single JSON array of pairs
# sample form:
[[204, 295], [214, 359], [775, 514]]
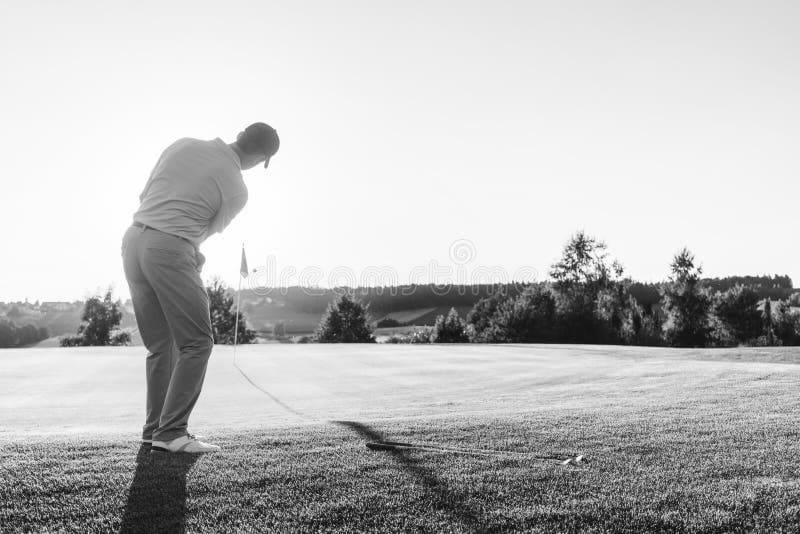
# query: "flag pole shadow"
[[446, 499]]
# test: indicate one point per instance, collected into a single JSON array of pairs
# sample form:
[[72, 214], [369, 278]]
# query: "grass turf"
[[720, 459]]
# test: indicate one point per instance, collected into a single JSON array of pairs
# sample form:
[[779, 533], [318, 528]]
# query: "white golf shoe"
[[186, 444], [192, 436]]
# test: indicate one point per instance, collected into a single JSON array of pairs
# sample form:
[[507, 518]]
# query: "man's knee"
[[198, 348], [157, 348]]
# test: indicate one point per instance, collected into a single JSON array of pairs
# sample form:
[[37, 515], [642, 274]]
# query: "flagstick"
[[238, 301], [236, 328]]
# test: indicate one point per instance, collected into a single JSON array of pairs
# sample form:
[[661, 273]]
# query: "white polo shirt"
[[194, 191]]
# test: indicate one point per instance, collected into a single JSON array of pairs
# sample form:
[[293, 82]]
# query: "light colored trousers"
[[171, 306]]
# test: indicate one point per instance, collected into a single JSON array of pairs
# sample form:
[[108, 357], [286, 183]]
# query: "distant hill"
[[301, 309]]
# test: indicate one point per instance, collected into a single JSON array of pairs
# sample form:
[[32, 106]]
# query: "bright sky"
[[405, 127]]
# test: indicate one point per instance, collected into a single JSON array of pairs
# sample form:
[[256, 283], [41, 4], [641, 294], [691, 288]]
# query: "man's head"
[[257, 143]]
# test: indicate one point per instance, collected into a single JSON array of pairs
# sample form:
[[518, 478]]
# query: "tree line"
[[589, 300], [12, 335], [385, 300]]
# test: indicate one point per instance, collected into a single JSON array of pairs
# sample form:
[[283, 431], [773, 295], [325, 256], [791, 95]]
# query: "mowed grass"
[[721, 458]]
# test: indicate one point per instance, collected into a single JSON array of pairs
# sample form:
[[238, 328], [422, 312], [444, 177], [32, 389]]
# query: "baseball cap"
[[262, 137]]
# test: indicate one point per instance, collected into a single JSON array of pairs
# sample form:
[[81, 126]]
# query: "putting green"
[[99, 391]]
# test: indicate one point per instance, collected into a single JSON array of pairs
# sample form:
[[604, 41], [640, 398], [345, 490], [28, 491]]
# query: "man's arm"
[[227, 211]]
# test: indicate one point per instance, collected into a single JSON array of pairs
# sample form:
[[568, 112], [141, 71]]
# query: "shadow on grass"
[[445, 499], [157, 496]]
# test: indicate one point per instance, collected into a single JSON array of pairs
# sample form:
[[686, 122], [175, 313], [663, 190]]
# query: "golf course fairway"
[[674, 440]]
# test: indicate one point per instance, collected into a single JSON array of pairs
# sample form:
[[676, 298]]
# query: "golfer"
[[195, 190]]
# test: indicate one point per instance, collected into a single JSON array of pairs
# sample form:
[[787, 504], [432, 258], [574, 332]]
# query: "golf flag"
[[243, 268]]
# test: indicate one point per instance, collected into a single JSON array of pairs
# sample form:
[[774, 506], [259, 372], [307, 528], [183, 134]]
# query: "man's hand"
[[200, 259]]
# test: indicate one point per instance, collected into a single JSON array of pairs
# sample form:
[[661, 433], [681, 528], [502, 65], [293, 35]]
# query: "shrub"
[[423, 335], [73, 340], [120, 337], [415, 337]]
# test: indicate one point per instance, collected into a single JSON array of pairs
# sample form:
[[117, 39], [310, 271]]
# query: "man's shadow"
[[157, 496], [446, 499]]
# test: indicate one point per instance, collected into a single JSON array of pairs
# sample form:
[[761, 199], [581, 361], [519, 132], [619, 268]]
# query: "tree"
[[279, 329], [530, 317], [28, 335], [481, 321], [8, 334], [584, 262], [768, 329], [639, 325], [580, 277], [12, 335], [737, 311], [345, 321], [786, 324], [99, 320], [100, 317], [223, 316], [687, 303], [450, 329]]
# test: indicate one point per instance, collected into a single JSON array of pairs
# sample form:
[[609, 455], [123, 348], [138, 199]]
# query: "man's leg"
[[161, 357], [154, 330], [170, 267]]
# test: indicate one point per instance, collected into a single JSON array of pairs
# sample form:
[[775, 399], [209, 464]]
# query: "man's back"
[[195, 190]]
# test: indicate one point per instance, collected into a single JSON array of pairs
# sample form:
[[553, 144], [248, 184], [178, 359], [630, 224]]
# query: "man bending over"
[[195, 190]]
